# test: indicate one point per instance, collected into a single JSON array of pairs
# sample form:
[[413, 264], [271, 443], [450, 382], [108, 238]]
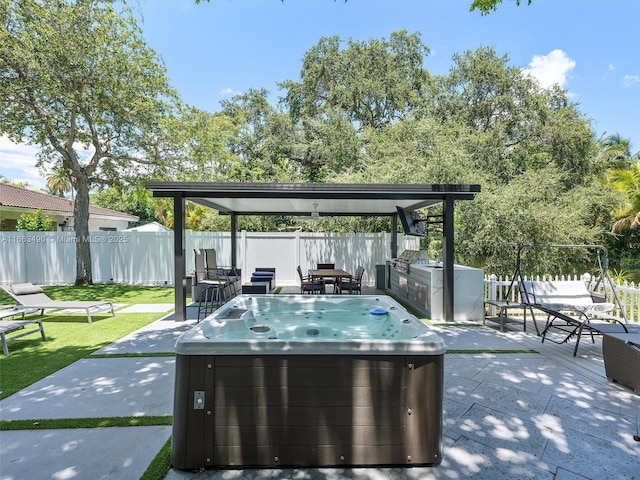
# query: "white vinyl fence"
[[497, 288], [147, 258]]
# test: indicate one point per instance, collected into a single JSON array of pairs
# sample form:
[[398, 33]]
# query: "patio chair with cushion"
[[328, 280], [228, 274], [211, 283], [352, 284], [32, 296], [307, 285]]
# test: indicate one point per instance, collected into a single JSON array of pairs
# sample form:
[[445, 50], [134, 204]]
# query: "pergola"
[[313, 199]]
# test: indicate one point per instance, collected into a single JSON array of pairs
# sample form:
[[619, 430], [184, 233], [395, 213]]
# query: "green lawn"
[[70, 337], [117, 293]]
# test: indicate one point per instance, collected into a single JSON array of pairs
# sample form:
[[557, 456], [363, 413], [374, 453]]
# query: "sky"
[[219, 48]]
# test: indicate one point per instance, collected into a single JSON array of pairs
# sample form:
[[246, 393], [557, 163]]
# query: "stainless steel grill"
[[408, 257]]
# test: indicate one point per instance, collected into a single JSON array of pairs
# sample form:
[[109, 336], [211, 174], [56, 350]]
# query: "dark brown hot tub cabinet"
[[307, 410]]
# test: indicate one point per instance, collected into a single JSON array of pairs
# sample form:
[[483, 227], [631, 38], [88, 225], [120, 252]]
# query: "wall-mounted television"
[[412, 224]]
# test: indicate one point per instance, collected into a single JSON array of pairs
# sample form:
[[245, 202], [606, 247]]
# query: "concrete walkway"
[[507, 415]]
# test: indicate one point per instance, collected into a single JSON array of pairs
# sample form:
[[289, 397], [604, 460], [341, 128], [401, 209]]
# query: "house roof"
[[148, 227], [15, 197]]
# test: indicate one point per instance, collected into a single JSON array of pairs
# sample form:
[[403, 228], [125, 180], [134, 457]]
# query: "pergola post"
[[447, 258], [394, 236], [179, 260], [234, 240]]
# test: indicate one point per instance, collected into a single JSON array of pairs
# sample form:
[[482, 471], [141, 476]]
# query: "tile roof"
[[11, 196]]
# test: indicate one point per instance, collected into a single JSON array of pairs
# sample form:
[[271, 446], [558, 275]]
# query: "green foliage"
[[487, 6], [265, 142], [34, 222], [138, 201], [58, 182], [374, 83], [626, 179], [345, 89], [621, 276], [624, 251]]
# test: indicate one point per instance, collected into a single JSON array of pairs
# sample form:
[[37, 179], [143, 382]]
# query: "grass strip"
[[112, 292], [104, 422], [160, 465]]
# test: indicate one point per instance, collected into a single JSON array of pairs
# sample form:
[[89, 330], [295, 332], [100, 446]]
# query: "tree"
[[345, 89], [627, 180], [77, 79], [616, 150], [374, 83], [136, 201], [58, 182], [530, 149], [487, 6], [263, 141]]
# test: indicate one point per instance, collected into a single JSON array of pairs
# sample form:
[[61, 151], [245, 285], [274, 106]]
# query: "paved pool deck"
[[508, 413]]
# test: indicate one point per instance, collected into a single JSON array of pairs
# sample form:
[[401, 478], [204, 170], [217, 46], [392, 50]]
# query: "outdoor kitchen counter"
[[422, 288]]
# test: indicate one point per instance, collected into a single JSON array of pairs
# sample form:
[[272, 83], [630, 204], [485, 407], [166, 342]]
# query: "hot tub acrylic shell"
[[359, 403]]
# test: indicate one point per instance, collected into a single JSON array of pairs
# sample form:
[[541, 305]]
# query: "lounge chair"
[[17, 328], [32, 296], [570, 308]]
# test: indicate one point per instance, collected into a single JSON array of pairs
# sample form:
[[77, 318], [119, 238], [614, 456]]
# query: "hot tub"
[[279, 380]]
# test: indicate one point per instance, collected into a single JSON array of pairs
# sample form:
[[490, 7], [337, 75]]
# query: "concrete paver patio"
[[506, 415]]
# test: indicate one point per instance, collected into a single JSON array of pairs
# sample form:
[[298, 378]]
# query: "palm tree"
[[194, 214], [616, 149], [163, 211], [58, 182], [627, 180]]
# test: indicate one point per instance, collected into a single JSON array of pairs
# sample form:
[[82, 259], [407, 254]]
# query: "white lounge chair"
[[32, 296]]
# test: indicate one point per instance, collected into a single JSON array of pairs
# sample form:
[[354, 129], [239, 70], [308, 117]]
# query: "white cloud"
[[18, 162], [630, 81], [550, 69], [227, 92]]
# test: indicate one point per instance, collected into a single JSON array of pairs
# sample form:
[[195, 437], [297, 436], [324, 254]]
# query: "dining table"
[[319, 273]]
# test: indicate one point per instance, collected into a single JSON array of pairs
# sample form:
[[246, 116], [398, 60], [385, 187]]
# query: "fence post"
[[493, 289]]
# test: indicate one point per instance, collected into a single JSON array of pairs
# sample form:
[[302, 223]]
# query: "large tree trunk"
[[81, 226]]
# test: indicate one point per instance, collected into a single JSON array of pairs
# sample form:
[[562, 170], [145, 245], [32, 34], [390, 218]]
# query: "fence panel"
[[147, 258]]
